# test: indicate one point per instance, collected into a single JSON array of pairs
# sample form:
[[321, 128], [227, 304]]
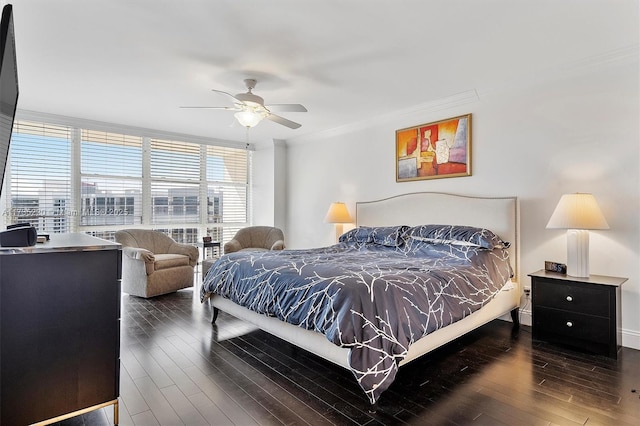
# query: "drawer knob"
[[569, 299], [569, 324]]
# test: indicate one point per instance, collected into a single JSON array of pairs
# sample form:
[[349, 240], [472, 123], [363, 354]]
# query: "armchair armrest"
[[232, 245], [142, 255], [278, 245], [187, 250]]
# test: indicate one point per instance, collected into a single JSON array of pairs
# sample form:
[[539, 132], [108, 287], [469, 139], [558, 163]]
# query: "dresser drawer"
[[573, 297], [571, 325]]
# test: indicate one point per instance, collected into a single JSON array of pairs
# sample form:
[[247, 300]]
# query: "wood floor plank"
[[161, 408], [174, 353], [328, 384], [239, 395], [154, 370], [130, 394], [300, 392], [131, 363], [145, 418], [183, 407], [262, 389], [548, 411], [209, 410], [230, 407]]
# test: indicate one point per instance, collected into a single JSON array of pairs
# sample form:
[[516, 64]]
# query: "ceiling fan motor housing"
[[250, 98]]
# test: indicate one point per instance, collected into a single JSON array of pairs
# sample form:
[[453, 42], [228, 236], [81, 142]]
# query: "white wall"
[[280, 184], [568, 131], [262, 184], [269, 184]]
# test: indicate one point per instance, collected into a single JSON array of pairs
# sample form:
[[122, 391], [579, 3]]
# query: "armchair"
[[153, 263], [256, 238]]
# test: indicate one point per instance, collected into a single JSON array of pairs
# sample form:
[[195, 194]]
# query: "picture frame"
[[441, 149]]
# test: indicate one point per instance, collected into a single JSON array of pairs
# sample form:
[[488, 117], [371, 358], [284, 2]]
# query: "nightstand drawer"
[[571, 324], [585, 299]]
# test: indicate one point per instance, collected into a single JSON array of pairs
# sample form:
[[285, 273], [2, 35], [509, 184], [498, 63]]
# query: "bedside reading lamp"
[[577, 213], [339, 215]]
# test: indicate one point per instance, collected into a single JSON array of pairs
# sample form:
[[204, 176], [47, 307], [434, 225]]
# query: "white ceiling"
[[135, 62]]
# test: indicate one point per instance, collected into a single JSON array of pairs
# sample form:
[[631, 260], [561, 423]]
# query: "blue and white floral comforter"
[[376, 292]]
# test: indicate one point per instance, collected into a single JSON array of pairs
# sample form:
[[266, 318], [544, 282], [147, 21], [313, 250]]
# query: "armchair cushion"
[[164, 261]]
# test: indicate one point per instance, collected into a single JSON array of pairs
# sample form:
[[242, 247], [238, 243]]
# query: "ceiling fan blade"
[[235, 100], [212, 107], [286, 107], [281, 120]]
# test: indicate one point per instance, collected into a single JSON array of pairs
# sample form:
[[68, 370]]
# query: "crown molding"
[[463, 98]]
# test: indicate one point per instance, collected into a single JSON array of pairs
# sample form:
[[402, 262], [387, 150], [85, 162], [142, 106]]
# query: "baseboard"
[[523, 313], [525, 316], [631, 339]]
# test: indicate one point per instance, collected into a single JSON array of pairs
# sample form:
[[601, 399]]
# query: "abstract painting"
[[434, 150]]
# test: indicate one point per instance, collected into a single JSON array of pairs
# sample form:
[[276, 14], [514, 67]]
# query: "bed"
[[400, 247]]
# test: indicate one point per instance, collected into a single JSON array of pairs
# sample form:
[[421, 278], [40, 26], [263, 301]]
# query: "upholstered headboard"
[[499, 214]]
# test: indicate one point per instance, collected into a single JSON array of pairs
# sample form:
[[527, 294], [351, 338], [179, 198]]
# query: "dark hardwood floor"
[[177, 369]]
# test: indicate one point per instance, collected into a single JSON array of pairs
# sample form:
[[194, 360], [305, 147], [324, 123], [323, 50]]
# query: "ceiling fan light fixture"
[[249, 118]]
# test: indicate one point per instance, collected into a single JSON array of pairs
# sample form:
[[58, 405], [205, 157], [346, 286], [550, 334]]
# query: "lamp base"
[[578, 253], [339, 228]]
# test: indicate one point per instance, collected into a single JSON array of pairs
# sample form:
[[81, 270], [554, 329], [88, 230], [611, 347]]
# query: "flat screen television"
[[8, 85]]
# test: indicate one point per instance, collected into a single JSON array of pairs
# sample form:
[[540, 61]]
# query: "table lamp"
[[339, 215], [577, 213]]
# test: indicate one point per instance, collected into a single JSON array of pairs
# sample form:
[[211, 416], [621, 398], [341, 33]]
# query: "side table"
[[215, 250], [210, 246], [583, 313]]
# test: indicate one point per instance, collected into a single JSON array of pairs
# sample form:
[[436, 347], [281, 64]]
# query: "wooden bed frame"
[[500, 214]]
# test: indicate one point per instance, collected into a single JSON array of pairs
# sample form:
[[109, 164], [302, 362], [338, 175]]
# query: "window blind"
[[175, 186], [111, 179], [40, 176], [66, 178], [227, 184], [175, 161]]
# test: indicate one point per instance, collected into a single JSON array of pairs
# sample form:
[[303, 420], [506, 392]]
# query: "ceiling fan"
[[251, 108]]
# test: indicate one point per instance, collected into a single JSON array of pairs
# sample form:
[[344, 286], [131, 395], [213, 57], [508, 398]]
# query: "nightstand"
[[580, 312]]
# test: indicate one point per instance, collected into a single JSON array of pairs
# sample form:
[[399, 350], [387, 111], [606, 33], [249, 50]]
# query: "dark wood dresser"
[[60, 329], [583, 313]]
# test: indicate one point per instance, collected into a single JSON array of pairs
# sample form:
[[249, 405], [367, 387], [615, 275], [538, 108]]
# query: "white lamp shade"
[[338, 213], [577, 211], [248, 118]]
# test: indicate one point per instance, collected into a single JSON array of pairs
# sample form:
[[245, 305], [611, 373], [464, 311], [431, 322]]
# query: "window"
[[111, 170], [70, 179], [175, 186], [39, 177], [227, 190]]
